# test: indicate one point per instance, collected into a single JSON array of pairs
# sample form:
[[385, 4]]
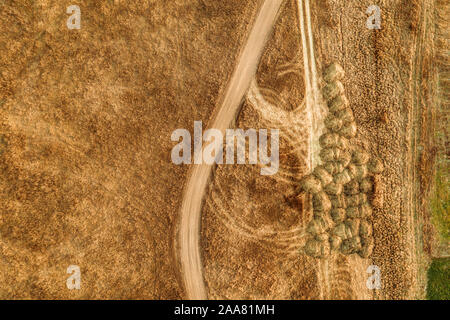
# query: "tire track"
[[341, 280], [316, 112]]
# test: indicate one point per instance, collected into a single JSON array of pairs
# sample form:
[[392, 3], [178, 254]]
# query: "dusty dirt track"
[[197, 181]]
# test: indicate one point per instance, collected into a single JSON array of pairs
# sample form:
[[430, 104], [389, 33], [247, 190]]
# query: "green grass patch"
[[440, 203], [439, 279]]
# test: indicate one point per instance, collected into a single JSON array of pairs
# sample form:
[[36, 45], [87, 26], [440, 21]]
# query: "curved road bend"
[[189, 232]]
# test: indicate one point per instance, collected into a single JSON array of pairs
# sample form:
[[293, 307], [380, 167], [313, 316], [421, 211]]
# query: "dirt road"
[[189, 232]]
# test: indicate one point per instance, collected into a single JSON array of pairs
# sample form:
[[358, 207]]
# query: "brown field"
[[86, 118]]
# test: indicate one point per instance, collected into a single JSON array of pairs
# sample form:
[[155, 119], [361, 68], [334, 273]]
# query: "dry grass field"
[[86, 118]]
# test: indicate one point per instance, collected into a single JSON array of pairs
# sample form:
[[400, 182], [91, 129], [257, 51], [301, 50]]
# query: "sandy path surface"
[[189, 233]]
